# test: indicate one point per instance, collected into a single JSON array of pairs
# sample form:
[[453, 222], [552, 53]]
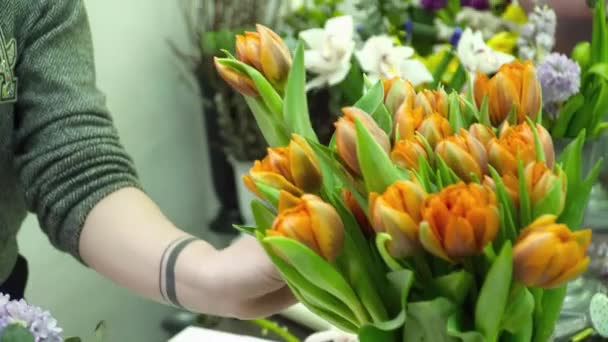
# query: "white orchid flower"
[[330, 51], [476, 55], [380, 58], [332, 336]]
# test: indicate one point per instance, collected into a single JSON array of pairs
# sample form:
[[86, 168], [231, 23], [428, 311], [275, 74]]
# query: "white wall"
[[160, 122]]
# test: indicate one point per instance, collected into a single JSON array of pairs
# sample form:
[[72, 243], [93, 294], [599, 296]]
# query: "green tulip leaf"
[[455, 115], [548, 313], [599, 35], [441, 69], [269, 193], [262, 215], [295, 111], [245, 229], [352, 85], [506, 203], [372, 99], [274, 135], [459, 78], [484, 112], [268, 94], [377, 168], [492, 299], [551, 202], [428, 321], [599, 69], [599, 109], [525, 210], [470, 109], [318, 271], [566, 114], [538, 145], [455, 330], [383, 119], [519, 309], [523, 334], [454, 286], [16, 333]]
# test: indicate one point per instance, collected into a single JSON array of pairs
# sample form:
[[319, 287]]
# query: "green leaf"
[[274, 135], [524, 334], [268, 94], [525, 210], [577, 198], [459, 78], [383, 119], [519, 309], [100, 331], [372, 99], [599, 109], [538, 145], [262, 215], [269, 193], [599, 69], [565, 115], [545, 320], [552, 200], [454, 286], [295, 111], [352, 86], [471, 110], [16, 333], [599, 35], [446, 173], [455, 330], [492, 300], [505, 201], [441, 68], [245, 229], [484, 112], [377, 168], [73, 339], [318, 271], [455, 115], [428, 321]]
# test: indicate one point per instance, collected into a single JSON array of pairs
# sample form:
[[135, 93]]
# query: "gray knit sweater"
[[59, 152]]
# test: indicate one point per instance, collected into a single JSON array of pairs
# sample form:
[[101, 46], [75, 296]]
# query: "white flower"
[[475, 55], [380, 58], [332, 336], [330, 51]]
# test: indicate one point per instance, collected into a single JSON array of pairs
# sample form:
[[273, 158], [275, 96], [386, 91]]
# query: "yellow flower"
[[503, 41], [397, 213], [515, 13], [310, 221], [459, 221], [548, 254]]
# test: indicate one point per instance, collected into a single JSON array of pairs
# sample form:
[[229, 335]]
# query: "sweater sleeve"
[[67, 151]]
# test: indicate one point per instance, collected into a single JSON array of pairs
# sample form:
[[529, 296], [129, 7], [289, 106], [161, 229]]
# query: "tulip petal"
[[403, 231], [480, 88], [459, 239], [327, 227], [430, 242], [275, 57], [530, 94], [485, 222], [287, 201], [569, 274], [531, 255], [346, 144], [503, 96], [304, 165], [276, 181]]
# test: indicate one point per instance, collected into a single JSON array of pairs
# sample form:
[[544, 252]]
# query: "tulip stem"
[[468, 266], [381, 240], [422, 268]]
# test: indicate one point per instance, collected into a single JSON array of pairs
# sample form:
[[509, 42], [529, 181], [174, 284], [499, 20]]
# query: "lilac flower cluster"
[[433, 4], [537, 36], [39, 322], [560, 78], [476, 4]]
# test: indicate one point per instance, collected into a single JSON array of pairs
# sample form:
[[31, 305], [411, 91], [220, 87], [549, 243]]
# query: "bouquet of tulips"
[[429, 216]]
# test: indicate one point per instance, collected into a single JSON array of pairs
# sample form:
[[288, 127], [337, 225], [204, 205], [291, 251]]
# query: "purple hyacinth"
[[433, 4], [39, 322], [559, 76], [477, 4]]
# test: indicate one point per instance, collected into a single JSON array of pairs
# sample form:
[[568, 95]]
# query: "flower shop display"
[[430, 215]]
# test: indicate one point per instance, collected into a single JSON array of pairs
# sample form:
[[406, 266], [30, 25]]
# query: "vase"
[[244, 196]]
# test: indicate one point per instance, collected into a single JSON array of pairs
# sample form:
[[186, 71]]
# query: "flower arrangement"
[[22, 322], [430, 215]]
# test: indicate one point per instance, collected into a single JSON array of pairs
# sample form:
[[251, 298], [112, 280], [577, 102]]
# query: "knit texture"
[[59, 151]]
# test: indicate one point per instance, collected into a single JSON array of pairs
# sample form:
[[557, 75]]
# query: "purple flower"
[[455, 38], [433, 4], [477, 4], [559, 77], [39, 322]]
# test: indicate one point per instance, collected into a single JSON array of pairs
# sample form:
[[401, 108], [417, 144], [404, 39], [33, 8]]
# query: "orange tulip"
[[459, 221], [432, 101], [407, 153], [435, 128], [548, 254], [358, 213], [514, 140], [346, 136], [265, 51], [407, 120], [236, 79], [511, 184], [397, 212], [312, 222], [547, 189], [514, 86], [397, 92], [294, 169], [482, 133], [465, 155]]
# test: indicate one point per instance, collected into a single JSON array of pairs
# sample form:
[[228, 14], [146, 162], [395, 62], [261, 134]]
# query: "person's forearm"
[[128, 239]]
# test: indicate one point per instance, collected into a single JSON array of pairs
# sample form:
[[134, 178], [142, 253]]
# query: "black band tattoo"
[[166, 279]]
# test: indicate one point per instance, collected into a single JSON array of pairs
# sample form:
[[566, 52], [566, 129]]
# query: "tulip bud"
[[294, 169], [465, 155], [346, 136], [312, 222], [482, 133], [514, 86], [407, 120], [397, 213], [511, 184], [459, 221], [358, 213], [432, 101], [236, 79], [265, 51], [407, 153], [435, 128], [547, 189], [396, 93], [548, 254]]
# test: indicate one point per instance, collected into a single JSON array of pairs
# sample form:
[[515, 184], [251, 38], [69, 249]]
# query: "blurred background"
[[143, 52]]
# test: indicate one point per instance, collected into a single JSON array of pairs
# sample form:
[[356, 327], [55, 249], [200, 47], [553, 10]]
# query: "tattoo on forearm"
[[166, 281]]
